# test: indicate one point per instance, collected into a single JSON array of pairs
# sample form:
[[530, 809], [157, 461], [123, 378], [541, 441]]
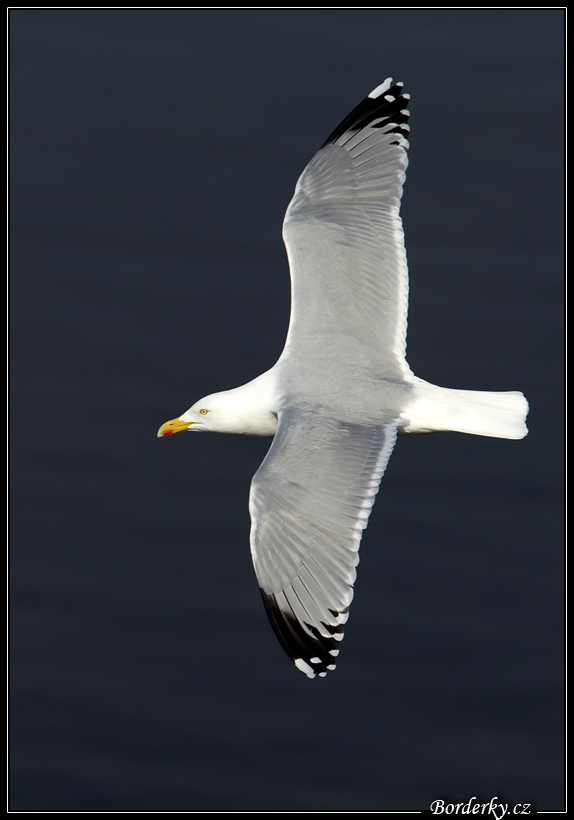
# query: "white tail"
[[501, 415]]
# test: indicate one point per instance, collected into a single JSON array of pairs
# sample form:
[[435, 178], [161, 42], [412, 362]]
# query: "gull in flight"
[[341, 389]]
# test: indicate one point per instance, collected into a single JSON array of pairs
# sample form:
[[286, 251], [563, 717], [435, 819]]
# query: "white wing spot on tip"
[[380, 89], [304, 667]]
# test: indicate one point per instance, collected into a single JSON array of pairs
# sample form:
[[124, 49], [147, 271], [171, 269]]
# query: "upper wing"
[[310, 501], [345, 241]]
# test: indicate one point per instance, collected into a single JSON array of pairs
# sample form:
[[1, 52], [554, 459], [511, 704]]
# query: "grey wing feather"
[[345, 241], [310, 501]]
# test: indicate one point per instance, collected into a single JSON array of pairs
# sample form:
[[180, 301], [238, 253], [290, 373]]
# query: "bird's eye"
[[203, 412]]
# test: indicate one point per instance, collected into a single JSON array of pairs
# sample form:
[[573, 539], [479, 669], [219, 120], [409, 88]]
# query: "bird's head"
[[196, 419], [248, 409]]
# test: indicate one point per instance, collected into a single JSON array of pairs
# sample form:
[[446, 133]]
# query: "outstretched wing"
[[310, 502], [345, 241]]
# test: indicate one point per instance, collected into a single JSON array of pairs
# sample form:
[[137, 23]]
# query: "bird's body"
[[342, 388]]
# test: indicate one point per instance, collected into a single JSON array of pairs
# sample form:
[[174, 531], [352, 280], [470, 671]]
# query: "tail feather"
[[480, 413]]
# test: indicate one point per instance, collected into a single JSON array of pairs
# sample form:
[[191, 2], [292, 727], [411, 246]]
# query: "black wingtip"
[[387, 104], [312, 653]]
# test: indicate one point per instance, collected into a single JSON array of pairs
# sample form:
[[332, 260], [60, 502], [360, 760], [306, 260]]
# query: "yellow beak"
[[173, 426]]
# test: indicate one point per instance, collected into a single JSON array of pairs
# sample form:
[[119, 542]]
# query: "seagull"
[[341, 389]]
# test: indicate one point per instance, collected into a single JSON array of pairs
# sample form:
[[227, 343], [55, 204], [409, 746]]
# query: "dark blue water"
[[153, 154]]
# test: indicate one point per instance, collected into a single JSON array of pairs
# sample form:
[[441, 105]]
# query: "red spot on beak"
[[168, 433]]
